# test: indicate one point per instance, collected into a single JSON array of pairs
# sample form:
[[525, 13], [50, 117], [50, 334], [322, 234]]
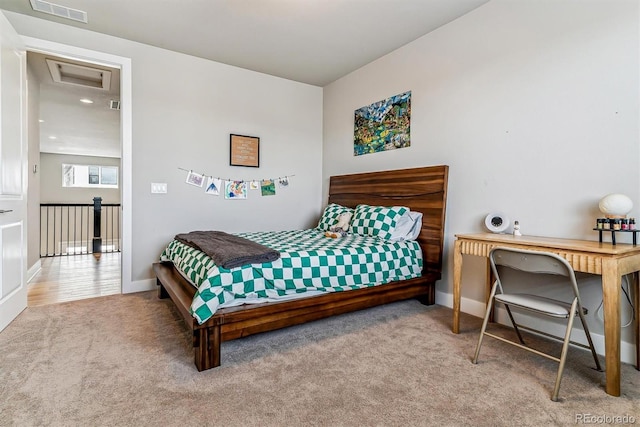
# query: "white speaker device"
[[496, 222]]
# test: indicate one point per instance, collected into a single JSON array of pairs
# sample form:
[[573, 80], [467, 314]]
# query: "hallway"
[[70, 278]]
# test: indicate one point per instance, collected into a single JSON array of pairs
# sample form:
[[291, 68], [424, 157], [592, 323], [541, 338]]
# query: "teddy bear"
[[341, 228]]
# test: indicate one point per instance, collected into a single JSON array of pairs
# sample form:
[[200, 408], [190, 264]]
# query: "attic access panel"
[[79, 75]]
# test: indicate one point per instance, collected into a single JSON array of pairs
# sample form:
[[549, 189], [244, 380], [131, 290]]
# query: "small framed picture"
[[244, 151], [195, 179]]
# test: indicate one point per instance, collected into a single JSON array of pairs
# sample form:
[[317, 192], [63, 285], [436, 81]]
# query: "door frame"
[[101, 58], [13, 197]]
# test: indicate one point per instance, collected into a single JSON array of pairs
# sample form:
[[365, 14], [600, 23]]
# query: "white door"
[[13, 175]]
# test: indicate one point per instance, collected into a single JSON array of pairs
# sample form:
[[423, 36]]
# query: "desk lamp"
[[615, 205]]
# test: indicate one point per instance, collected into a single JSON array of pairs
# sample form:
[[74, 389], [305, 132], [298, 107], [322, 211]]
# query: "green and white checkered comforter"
[[309, 263]]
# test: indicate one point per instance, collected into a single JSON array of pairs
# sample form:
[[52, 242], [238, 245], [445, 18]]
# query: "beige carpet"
[[125, 360]]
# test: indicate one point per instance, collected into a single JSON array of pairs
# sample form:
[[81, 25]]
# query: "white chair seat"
[[544, 305]]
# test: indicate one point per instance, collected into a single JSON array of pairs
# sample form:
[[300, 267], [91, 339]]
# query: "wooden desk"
[[604, 259]]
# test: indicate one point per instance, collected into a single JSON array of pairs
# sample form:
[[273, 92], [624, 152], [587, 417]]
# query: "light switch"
[[158, 187]]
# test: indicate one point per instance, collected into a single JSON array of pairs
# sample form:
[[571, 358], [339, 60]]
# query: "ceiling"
[[309, 41], [69, 126]]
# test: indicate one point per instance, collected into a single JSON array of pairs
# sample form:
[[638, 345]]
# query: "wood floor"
[[75, 277]]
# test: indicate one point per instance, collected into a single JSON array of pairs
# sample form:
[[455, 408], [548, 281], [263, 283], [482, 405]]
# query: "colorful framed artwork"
[[244, 151], [383, 125]]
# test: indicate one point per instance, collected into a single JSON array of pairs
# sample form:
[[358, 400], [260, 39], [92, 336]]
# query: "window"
[[89, 176]]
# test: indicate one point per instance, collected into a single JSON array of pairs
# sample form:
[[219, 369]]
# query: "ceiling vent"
[[57, 10], [114, 105], [79, 75]]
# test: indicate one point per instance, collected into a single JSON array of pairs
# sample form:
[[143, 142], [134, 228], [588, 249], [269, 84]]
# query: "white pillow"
[[408, 227]]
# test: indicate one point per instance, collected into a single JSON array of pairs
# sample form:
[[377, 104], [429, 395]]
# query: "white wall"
[[52, 191], [533, 105], [184, 109]]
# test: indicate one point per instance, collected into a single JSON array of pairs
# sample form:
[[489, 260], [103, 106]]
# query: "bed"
[[421, 190]]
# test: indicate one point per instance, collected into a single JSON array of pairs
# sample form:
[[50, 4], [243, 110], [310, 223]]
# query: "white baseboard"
[[33, 270], [477, 308], [469, 306], [139, 286]]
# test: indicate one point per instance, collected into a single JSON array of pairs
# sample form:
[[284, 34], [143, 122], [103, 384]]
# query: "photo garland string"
[[235, 189]]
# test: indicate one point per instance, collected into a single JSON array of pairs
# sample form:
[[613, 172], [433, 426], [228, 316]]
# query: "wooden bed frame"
[[420, 189]]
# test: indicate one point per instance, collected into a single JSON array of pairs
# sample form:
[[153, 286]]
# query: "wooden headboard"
[[420, 189]]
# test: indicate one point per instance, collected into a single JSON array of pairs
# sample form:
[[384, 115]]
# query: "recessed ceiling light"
[[41, 121], [86, 101], [53, 137]]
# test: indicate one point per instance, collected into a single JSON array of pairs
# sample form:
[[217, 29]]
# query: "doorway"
[[109, 273], [78, 131]]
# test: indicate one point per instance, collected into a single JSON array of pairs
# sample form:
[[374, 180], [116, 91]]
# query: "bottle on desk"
[[516, 229]]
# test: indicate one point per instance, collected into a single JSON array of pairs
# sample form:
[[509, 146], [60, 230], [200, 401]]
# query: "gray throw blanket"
[[228, 251]]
